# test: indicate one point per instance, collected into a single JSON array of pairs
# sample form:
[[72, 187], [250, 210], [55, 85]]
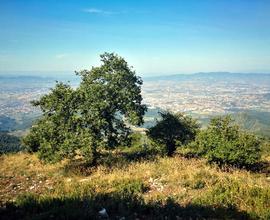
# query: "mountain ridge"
[[204, 75]]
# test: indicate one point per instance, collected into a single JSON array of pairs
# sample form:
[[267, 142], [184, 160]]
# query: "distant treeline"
[[22, 122], [9, 143]]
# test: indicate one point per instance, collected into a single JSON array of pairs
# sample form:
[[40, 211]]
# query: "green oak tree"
[[78, 122]]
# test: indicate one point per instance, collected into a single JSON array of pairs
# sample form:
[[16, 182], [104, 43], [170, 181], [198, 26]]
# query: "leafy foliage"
[[76, 122], [224, 143], [173, 129]]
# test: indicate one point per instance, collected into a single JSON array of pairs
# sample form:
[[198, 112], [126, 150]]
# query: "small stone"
[[103, 213], [84, 180]]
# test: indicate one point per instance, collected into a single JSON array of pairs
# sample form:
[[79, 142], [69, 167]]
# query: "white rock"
[[103, 213], [84, 180]]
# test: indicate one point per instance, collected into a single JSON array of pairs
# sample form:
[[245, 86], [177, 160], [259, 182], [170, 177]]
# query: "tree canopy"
[[77, 122], [173, 128]]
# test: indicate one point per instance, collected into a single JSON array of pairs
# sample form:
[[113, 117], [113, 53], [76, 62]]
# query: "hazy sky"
[[156, 37]]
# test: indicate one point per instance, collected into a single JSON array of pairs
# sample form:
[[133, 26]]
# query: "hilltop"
[[103, 169], [130, 186]]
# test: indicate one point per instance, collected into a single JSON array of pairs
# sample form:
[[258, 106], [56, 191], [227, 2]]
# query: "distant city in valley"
[[201, 95], [209, 93]]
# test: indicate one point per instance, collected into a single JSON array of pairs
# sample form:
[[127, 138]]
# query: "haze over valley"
[[202, 95]]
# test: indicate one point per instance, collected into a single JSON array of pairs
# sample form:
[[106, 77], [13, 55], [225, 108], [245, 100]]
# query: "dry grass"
[[186, 181], [21, 173]]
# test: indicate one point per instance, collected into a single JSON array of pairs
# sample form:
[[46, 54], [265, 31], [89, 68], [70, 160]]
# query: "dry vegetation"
[[174, 187]]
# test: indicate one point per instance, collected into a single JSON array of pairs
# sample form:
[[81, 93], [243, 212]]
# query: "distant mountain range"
[[216, 75], [38, 76], [198, 75], [25, 78]]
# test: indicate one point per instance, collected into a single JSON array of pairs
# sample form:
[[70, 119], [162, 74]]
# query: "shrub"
[[173, 129], [224, 143]]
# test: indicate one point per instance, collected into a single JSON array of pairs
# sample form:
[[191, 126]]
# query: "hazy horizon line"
[[145, 75]]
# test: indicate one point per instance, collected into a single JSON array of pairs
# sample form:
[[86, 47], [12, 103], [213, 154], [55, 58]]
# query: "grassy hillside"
[[128, 188]]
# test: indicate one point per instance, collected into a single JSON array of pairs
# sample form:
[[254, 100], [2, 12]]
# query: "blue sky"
[[156, 37]]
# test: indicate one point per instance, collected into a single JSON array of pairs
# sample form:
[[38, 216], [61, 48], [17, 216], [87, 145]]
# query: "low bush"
[[224, 143]]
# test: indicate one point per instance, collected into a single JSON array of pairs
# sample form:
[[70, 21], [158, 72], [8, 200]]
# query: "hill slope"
[[150, 189]]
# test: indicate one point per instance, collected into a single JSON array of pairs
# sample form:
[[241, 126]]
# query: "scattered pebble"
[[83, 180], [155, 184], [103, 213]]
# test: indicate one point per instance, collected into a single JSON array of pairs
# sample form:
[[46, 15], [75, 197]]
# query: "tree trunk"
[[170, 149]]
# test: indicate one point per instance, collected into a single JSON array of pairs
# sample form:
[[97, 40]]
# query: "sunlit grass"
[[184, 181]]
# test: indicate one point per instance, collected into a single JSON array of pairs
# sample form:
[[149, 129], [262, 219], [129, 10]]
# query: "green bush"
[[225, 144], [173, 129], [132, 187]]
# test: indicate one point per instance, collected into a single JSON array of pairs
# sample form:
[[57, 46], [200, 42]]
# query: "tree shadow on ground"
[[122, 158], [127, 156], [259, 167], [118, 206], [111, 159]]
